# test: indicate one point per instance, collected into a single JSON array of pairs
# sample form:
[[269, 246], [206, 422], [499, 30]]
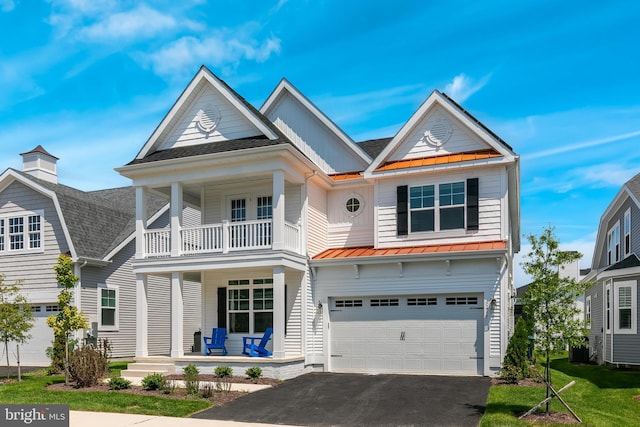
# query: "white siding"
[[316, 218], [313, 138], [492, 193], [346, 230], [232, 124], [416, 146]]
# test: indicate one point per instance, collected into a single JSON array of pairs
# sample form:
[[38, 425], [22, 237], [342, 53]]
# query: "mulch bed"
[[217, 398], [551, 418], [526, 382]]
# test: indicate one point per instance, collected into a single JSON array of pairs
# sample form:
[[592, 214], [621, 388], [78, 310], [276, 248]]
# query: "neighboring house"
[[392, 255], [40, 219], [611, 304]]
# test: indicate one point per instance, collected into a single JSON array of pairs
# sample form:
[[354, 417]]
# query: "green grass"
[[32, 390], [602, 396]]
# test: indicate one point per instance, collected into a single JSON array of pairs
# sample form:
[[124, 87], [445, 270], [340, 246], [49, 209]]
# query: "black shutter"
[[472, 204], [222, 307], [402, 210]]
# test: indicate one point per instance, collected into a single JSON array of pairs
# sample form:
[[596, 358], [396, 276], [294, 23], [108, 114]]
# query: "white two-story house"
[[392, 255]]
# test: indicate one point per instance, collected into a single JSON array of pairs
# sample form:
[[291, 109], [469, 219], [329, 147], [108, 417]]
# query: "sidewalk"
[[108, 419]]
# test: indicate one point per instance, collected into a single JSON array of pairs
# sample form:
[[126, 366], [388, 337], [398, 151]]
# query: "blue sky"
[[91, 79]]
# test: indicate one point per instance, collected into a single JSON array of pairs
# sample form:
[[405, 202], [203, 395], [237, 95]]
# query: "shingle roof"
[[209, 148], [98, 221], [630, 261], [40, 149], [634, 185], [373, 147], [369, 251]]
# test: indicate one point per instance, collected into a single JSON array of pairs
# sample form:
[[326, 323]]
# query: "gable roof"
[[95, 222], [243, 107], [452, 108]]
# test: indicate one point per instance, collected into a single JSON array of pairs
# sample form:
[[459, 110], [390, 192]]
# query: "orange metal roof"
[[439, 160], [368, 251], [346, 175]]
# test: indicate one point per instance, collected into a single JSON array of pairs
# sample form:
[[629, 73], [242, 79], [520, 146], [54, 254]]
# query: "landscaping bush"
[[88, 364], [515, 365], [207, 390], [223, 371], [154, 381], [119, 383], [191, 379], [254, 373]]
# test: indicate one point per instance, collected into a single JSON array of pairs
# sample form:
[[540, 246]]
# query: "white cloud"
[[581, 145], [463, 86], [139, 22], [7, 5], [223, 48]]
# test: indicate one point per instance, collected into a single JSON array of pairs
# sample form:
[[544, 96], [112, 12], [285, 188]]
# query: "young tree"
[[16, 317], [68, 319], [550, 301]]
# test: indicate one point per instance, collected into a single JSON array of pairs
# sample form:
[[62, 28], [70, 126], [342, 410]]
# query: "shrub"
[[88, 364], [207, 390], [516, 362], [169, 387], [154, 381], [119, 383], [254, 373], [223, 371], [191, 379], [510, 374]]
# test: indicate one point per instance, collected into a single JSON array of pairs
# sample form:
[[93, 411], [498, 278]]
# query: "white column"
[[142, 317], [177, 315], [176, 218], [278, 210], [278, 312], [141, 221]]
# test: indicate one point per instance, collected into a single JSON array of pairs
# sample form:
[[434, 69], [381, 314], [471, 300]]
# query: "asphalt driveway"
[[325, 399]]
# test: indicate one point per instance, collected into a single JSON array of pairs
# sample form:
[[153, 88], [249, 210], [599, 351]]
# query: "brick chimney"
[[41, 164]]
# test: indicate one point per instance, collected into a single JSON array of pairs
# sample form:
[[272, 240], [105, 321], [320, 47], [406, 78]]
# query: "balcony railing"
[[221, 238]]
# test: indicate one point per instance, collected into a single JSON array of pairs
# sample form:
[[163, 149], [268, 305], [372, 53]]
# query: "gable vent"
[[208, 119], [439, 132]]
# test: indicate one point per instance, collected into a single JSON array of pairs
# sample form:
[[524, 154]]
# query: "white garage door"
[[437, 334], [32, 353]]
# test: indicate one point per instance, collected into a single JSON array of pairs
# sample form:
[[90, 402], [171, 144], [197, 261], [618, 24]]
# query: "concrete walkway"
[[107, 419]]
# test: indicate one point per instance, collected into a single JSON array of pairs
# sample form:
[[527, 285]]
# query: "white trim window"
[[607, 306], [587, 311], [626, 307], [627, 232], [613, 244], [250, 304], [437, 207], [108, 315], [22, 233]]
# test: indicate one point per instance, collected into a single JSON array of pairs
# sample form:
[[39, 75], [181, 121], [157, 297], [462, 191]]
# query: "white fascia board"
[[615, 204], [619, 273], [433, 99], [286, 87], [386, 259], [10, 175], [132, 236], [440, 168], [203, 74]]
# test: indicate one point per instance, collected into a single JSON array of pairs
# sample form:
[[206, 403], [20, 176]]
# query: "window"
[[341, 303], [353, 204], [607, 304], [461, 300], [21, 233], [625, 307], [387, 302], [52, 308], [108, 304], [627, 232], [587, 311], [437, 208], [422, 301], [250, 305], [265, 207], [613, 244], [238, 210]]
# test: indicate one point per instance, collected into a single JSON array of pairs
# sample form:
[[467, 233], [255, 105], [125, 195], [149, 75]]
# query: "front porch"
[[282, 368]]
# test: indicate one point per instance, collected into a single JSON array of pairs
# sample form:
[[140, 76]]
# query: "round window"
[[352, 205]]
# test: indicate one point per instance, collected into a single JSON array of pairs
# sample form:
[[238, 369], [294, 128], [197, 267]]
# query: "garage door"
[[426, 334], [32, 353]]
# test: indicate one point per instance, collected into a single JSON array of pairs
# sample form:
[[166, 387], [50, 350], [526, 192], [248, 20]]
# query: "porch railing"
[[221, 238]]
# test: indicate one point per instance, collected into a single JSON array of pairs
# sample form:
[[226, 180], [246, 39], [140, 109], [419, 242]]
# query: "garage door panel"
[[406, 339]]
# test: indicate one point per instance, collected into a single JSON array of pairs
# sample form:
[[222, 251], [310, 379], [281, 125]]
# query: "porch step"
[[136, 371]]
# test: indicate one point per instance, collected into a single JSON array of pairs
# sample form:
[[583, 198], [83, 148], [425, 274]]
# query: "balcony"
[[221, 238]]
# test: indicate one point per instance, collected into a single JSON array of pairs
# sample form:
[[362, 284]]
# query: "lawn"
[[32, 390], [602, 396]]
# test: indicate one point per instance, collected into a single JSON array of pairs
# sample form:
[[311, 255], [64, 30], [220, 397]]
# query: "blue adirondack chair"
[[250, 348], [216, 341]]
